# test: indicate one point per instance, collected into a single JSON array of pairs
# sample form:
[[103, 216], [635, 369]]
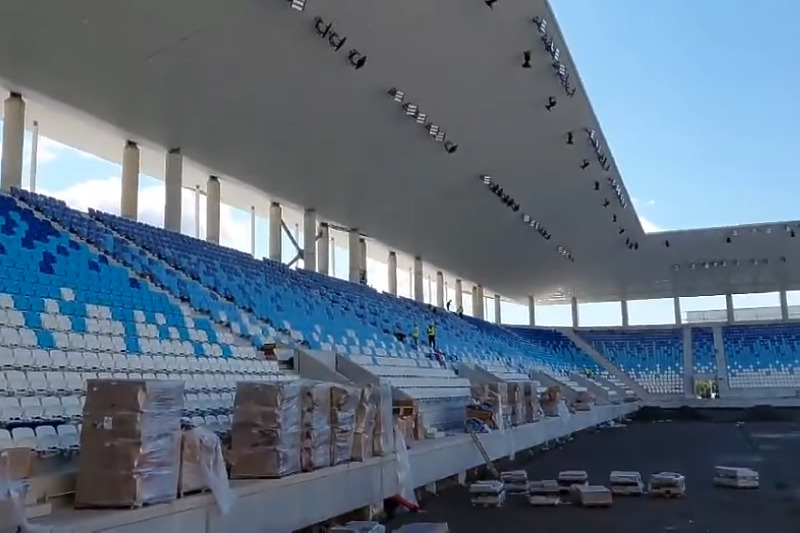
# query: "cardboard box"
[[365, 424], [316, 438], [383, 435], [266, 431], [344, 402], [130, 443]]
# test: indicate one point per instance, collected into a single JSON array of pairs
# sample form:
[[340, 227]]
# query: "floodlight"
[[585, 164], [676, 267], [571, 138], [551, 103], [321, 28], [298, 5], [526, 59], [791, 233], [336, 41], [621, 231], [433, 129], [515, 207], [451, 147], [421, 118], [411, 109], [666, 243], [396, 94], [597, 185], [440, 136], [490, 3], [541, 24], [614, 218], [526, 218], [570, 91], [486, 179], [606, 203]]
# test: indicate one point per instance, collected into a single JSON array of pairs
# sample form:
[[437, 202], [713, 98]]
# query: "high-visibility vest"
[[431, 331], [416, 331]]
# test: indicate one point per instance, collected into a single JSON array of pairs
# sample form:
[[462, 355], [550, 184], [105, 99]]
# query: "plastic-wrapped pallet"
[[515, 481], [359, 527], [487, 493], [530, 400], [344, 402], [440, 527], [735, 477], [316, 421], [266, 432], [365, 423], [383, 435], [202, 466], [130, 443]]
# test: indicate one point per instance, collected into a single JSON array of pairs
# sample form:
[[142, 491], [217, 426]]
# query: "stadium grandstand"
[[388, 236]]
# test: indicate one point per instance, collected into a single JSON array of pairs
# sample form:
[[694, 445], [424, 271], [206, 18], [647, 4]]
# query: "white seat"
[[68, 437], [6, 441], [46, 440], [24, 438]]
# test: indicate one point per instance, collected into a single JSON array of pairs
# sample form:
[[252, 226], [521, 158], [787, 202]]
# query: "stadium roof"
[[249, 90]]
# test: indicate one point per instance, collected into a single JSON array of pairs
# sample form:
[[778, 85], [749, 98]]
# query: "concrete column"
[[623, 305], [459, 295], [212, 210], [419, 293], [354, 253], [531, 311], [275, 232], [13, 140], [253, 230], [575, 316], [391, 266], [676, 304], [729, 308], [481, 303], [476, 306], [173, 189], [197, 211], [310, 240], [784, 305], [129, 200], [440, 289], [362, 259], [497, 309], [323, 248], [34, 156]]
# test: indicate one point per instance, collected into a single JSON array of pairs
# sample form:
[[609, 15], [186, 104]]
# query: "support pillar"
[[13, 139], [275, 229], [212, 210], [459, 296], [623, 304], [323, 248], [475, 302], [531, 311], [439, 289], [354, 254], [481, 303], [729, 308], [497, 309], [575, 316], [129, 199], [310, 240], [391, 265], [676, 304], [197, 211], [419, 293], [784, 305], [253, 230], [362, 260], [34, 166], [173, 187]]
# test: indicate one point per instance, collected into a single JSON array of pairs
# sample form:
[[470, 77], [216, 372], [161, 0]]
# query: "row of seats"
[[765, 356], [47, 440], [704, 354]]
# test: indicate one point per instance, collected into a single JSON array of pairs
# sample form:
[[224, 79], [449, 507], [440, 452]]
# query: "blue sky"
[[697, 100]]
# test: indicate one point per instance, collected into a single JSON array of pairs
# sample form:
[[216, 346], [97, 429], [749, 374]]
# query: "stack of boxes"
[[316, 421], [515, 403], [267, 427], [530, 400], [130, 443], [344, 403]]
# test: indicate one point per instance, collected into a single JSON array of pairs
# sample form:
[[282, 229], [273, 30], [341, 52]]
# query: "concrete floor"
[[692, 448]]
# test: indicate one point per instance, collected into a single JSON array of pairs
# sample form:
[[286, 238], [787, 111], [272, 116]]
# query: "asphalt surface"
[[689, 447]]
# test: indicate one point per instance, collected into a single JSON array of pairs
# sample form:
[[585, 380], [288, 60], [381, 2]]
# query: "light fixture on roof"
[[357, 59], [606, 203], [526, 59], [551, 103], [570, 138], [440, 136], [396, 94], [541, 24], [676, 267], [421, 117], [433, 129], [486, 179], [450, 147], [336, 41], [526, 218], [596, 185], [411, 109], [298, 5], [322, 29], [585, 164], [490, 3]]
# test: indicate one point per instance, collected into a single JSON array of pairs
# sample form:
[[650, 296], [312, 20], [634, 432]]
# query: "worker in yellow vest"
[[432, 336], [415, 335]]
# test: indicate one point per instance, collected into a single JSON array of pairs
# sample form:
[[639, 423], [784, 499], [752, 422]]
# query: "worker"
[[460, 311], [415, 336], [432, 336]]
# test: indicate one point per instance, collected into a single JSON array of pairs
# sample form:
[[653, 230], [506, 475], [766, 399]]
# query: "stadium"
[[380, 199]]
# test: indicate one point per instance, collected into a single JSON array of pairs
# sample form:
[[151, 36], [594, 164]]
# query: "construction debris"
[[592, 495], [568, 478], [735, 477]]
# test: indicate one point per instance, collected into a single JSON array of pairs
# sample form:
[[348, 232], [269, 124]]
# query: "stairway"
[[605, 363]]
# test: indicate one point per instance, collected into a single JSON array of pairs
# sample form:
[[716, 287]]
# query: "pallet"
[[544, 501], [667, 494], [485, 504], [603, 505]]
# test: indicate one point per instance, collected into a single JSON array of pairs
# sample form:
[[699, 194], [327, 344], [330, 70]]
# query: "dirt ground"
[[692, 448]]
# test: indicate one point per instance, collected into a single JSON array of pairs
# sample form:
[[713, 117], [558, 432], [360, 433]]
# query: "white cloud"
[[104, 195]]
